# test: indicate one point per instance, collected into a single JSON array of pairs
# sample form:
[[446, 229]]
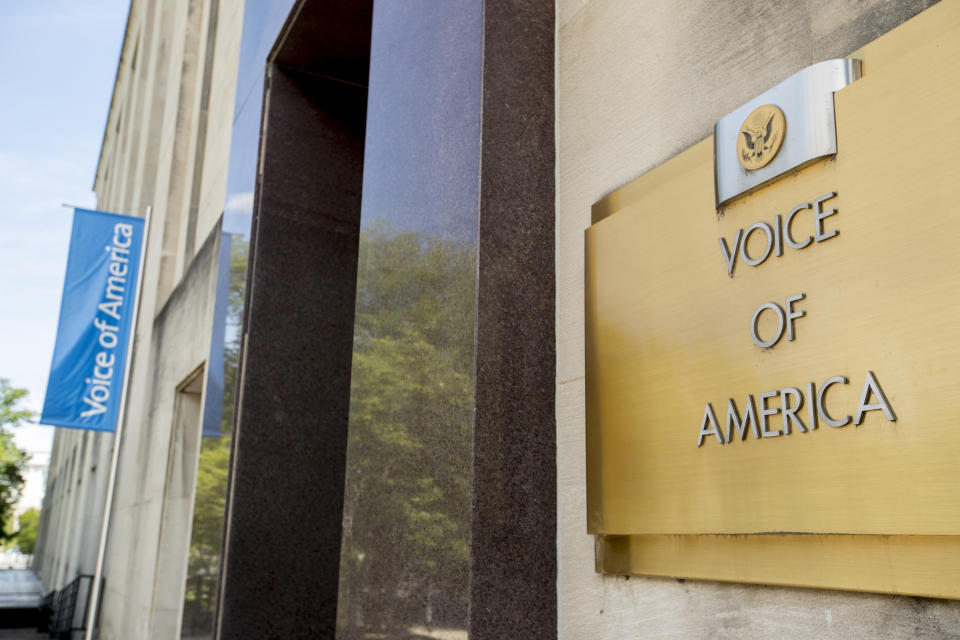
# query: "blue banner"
[[89, 357]]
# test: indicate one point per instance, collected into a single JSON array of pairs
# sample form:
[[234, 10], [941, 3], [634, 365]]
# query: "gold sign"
[[770, 386], [761, 135]]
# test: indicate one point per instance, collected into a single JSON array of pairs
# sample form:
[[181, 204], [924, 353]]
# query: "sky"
[[58, 60]]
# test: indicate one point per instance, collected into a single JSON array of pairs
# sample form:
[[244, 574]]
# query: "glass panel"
[[206, 534], [261, 22], [405, 556]]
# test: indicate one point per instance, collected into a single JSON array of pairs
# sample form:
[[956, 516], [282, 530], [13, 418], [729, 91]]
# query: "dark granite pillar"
[[447, 481], [282, 543], [513, 543]]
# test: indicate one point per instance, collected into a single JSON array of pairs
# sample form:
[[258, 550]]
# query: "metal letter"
[[708, 416], [728, 257], [819, 214], [790, 413], [764, 412], [788, 228], [792, 315], [822, 409], [733, 419], [778, 235], [811, 405], [766, 344], [746, 237], [871, 385]]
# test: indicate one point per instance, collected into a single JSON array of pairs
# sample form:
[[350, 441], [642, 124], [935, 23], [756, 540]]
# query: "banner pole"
[[121, 421]]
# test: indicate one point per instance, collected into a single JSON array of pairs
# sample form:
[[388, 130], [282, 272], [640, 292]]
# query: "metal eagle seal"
[[753, 145]]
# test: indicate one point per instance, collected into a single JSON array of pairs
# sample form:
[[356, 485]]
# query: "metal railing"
[[60, 616]]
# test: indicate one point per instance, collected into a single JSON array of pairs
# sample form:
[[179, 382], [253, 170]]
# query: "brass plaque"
[[786, 365]]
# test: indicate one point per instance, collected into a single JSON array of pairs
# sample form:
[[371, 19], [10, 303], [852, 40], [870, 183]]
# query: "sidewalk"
[[19, 589], [20, 595]]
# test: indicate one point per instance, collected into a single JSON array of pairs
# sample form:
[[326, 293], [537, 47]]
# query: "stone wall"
[[165, 146]]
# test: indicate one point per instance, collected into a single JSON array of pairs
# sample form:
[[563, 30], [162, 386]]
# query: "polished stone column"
[[513, 538], [413, 388], [284, 512]]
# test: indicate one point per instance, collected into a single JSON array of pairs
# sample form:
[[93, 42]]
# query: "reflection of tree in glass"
[[211, 489], [405, 556]]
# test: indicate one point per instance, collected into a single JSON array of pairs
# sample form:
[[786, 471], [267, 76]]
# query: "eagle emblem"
[[761, 135]]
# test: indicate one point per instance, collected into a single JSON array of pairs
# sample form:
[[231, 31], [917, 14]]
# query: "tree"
[[26, 536], [12, 459]]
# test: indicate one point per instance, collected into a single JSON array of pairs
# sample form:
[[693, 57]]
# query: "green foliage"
[[212, 471], [10, 414], [406, 537], [13, 460], [209, 505], [407, 505], [239, 255], [206, 535], [26, 536]]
